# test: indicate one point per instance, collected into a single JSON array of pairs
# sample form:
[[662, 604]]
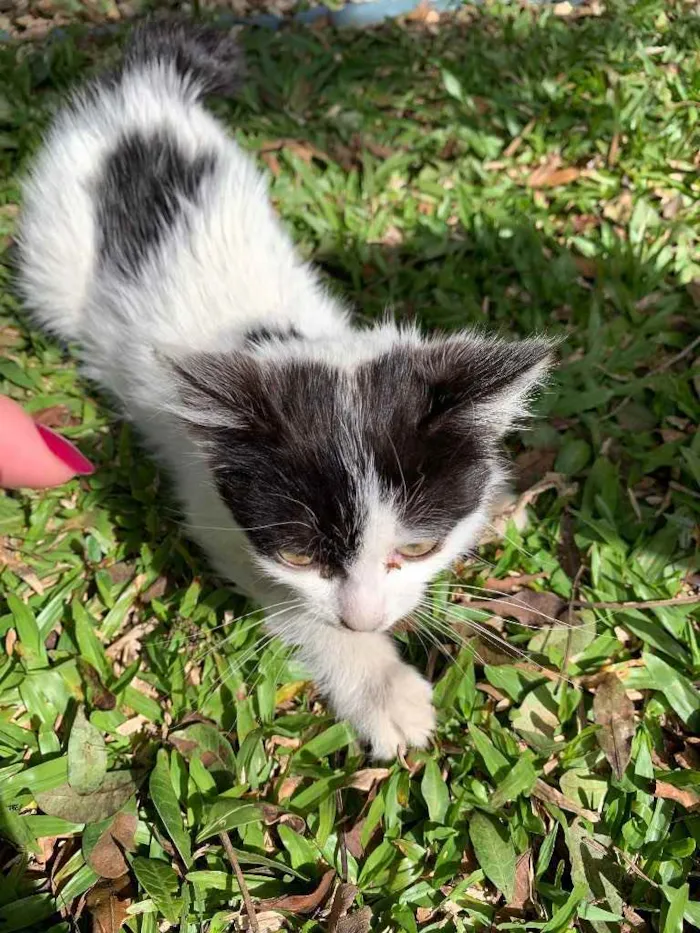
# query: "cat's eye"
[[417, 549], [295, 558]]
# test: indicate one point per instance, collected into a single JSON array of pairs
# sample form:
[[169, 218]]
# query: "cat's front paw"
[[405, 717]]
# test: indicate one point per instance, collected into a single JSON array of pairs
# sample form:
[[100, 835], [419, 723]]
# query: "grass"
[[563, 791]]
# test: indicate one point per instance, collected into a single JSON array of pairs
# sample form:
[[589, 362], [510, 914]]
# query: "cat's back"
[[122, 165]]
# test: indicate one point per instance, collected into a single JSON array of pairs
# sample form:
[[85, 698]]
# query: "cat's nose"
[[361, 623], [361, 607]]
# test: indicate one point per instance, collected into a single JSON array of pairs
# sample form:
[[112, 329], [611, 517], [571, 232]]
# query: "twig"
[[245, 893], [640, 604], [675, 359]]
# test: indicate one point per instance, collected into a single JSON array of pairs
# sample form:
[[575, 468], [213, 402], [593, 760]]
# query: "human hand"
[[33, 456]]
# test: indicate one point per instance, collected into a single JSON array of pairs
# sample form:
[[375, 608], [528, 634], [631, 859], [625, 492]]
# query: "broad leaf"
[[614, 713], [160, 882], [494, 851], [435, 792], [87, 756], [166, 803], [63, 801], [226, 814], [203, 740]]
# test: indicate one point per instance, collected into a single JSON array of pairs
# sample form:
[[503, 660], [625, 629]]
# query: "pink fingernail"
[[65, 451]]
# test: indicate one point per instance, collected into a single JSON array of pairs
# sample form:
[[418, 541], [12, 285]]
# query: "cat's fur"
[[148, 237]]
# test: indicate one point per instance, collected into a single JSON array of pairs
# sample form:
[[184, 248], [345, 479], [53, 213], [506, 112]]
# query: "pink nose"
[[361, 615], [361, 624]]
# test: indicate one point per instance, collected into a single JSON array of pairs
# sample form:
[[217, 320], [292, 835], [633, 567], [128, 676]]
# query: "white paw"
[[404, 717]]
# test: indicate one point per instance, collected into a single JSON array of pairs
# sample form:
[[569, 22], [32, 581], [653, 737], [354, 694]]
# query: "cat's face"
[[358, 482]]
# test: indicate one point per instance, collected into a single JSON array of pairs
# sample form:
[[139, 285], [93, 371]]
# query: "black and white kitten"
[[330, 471]]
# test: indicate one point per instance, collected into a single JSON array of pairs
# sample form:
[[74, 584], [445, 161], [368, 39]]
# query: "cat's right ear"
[[216, 392]]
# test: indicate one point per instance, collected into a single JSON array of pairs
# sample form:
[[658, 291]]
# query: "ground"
[[516, 169]]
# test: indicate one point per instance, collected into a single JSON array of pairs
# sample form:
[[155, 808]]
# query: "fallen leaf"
[[353, 840], [613, 711], [515, 510], [57, 416], [532, 465], [366, 778], [97, 694], [550, 175], [530, 607], [288, 786], [360, 143], [107, 903], [512, 584], [107, 857], [10, 641], [522, 890], [272, 162], [619, 209], [342, 901], [551, 795], [63, 801], [205, 740], [359, 922], [303, 903], [302, 149], [155, 591], [686, 796], [267, 921]]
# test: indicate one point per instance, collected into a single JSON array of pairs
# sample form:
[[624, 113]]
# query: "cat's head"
[[359, 470]]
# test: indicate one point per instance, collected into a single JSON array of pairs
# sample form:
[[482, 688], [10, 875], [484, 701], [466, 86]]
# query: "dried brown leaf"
[[359, 922], [57, 416], [512, 584], [302, 149], [515, 510], [524, 879], [614, 713], [107, 858], [353, 840], [10, 641], [550, 175], [685, 796], [543, 791], [107, 903], [342, 902], [272, 162], [303, 903], [366, 778], [529, 607]]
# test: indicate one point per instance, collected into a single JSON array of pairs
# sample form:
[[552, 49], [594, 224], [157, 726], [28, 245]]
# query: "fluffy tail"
[[167, 65], [207, 59]]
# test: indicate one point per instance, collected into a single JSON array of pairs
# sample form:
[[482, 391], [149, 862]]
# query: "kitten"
[[329, 471]]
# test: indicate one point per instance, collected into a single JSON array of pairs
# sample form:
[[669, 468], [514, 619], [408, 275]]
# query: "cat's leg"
[[387, 701]]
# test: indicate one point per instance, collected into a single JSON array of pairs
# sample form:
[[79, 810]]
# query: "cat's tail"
[[206, 59], [62, 238]]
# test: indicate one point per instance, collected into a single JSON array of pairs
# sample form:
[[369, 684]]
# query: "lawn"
[[507, 168]]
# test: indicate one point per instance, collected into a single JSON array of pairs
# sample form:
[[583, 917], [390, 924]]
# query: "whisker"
[[507, 599], [495, 639]]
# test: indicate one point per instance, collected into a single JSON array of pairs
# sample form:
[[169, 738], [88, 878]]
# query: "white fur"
[[233, 269]]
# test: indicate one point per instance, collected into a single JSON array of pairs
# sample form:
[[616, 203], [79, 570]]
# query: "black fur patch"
[[302, 437], [145, 184], [209, 57], [265, 334]]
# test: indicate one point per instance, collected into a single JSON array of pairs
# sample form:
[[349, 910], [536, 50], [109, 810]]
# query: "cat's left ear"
[[217, 391], [484, 381]]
